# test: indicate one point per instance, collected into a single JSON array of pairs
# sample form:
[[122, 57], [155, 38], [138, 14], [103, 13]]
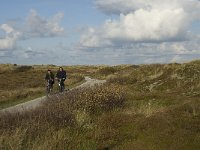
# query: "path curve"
[[30, 105]]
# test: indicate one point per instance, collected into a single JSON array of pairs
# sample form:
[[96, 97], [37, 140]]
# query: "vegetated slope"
[[35, 103], [19, 83], [144, 107], [168, 97]]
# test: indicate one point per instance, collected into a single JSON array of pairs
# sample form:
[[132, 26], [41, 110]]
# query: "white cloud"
[[143, 21], [127, 6], [34, 26], [118, 6], [37, 26], [11, 36], [93, 38], [144, 25], [139, 53]]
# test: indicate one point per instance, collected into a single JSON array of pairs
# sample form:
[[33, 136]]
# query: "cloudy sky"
[[68, 32]]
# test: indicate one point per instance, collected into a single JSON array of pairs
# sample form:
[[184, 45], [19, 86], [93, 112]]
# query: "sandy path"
[[37, 102], [90, 82]]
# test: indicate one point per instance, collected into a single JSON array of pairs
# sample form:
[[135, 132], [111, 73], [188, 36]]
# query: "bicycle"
[[61, 85], [49, 87]]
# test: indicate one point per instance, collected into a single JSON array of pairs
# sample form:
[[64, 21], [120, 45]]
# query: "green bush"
[[23, 68], [122, 80], [107, 71]]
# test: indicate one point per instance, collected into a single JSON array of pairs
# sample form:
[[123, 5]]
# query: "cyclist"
[[61, 77], [50, 79]]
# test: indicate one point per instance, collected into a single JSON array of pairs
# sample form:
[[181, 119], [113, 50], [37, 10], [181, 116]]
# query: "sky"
[[90, 32]]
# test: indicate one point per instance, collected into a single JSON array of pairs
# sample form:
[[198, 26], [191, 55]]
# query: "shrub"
[[122, 80], [107, 70], [74, 78], [102, 98], [23, 68], [95, 99], [59, 114]]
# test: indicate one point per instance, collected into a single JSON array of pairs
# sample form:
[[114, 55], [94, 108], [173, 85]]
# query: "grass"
[[65, 119], [144, 107], [23, 83], [13, 102]]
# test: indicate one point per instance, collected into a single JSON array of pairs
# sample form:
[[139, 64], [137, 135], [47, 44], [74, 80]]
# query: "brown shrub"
[[96, 99], [122, 80], [23, 68], [107, 71]]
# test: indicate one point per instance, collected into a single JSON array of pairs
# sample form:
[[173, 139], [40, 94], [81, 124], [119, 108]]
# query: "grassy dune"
[[144, 107], [23, 83]]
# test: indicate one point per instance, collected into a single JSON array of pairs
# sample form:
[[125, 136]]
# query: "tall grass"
[[22, 83], [143, 107], [61, 116]]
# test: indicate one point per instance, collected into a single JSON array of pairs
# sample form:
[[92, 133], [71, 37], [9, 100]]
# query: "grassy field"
[[141, 107], [23, 83]]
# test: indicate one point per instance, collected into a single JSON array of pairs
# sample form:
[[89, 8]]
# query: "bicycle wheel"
[[48, 89], [62, 89]]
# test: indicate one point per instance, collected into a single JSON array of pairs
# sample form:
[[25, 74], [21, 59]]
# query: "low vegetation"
[[65, 116], [23, 83], [144, 107]]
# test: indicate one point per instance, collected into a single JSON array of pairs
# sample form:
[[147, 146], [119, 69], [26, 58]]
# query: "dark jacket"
[[61, 75], [49, 76]]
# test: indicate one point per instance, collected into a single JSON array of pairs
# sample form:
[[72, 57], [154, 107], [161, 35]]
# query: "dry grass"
[[143, 107], [59, 121], [22, 83]]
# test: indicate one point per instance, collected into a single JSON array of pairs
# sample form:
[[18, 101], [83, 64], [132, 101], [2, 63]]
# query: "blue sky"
[[68, 32]]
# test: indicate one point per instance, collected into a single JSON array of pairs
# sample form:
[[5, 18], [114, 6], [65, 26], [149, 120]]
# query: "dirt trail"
[[37, 102]]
